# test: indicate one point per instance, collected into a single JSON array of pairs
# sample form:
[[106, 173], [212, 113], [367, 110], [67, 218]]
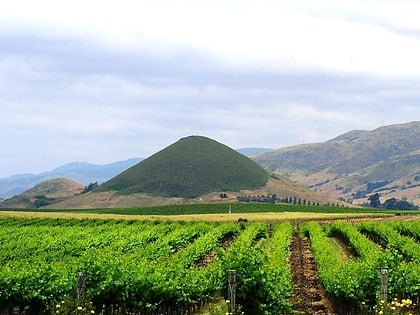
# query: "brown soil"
[[207, 260], [378, 240], [309, 296], [211, 257]]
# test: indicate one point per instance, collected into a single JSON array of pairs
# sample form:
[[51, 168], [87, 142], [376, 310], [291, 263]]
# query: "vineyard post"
[[270, 230], [232, 291], [81, 286], [384, 284]]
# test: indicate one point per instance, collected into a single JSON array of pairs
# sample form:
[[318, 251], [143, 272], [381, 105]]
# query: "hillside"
[[81, 172], [191, 167], [356, 164], [45, 193], [280, 186], [192, 170]]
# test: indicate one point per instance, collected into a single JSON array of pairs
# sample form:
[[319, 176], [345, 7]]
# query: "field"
[[285, 262]]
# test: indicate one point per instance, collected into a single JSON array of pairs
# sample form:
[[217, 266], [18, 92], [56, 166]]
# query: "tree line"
[[391, 203]]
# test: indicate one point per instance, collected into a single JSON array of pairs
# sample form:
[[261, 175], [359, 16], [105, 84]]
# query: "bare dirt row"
[[309, 295]]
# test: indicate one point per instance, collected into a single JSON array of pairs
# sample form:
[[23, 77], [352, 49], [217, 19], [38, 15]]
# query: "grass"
[[224, 208], [212, 212], [191, 167], [343, 254]]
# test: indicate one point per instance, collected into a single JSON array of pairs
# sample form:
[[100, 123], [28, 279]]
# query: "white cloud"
[[356, 37], [103, 81]]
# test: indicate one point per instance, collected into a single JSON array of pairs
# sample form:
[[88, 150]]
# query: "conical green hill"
[[191, 167]]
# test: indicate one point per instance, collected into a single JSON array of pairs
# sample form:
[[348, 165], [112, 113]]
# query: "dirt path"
[[308, 293]]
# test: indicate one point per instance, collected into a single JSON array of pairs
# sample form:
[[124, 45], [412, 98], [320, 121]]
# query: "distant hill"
[[356, 164], [81, 172], [45, 193], [191, 167], [251, 151]]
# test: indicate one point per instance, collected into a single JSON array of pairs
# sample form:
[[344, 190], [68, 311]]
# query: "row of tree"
[[291, 200], [298, 201]]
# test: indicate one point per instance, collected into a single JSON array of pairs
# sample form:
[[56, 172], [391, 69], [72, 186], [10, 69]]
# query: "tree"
[[395, 204], [42, 201], [390, 203], [90, 187], [274, 198], [374, 200]]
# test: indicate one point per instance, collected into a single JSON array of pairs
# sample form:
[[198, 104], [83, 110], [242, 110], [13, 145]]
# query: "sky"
[[104, 81]]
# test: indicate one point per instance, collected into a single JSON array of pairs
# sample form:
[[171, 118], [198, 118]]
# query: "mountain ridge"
[[348, 165], [81, 172]]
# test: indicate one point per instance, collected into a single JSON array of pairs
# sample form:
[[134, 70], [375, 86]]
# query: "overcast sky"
[[102, 81]]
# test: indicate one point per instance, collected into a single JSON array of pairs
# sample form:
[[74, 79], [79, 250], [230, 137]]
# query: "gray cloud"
[[66, 99]]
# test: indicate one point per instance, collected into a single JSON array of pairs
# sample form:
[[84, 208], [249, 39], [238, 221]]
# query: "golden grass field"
[[265, 216]]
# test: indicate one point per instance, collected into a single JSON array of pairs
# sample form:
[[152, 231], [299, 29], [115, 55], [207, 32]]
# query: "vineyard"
[[165, 267]]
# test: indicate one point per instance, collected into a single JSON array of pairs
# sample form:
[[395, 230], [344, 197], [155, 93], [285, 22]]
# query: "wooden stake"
[[232, 291]]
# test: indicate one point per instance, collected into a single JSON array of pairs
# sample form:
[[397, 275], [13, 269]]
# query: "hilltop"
[[45, 193], [356, 164], [191, 167]]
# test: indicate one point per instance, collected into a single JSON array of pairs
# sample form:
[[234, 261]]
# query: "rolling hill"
[[81, 172], [356, 164], [192, 170], [45, 193]]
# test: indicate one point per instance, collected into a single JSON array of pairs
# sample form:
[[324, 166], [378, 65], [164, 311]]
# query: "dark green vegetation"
[[191, 167], [224, 208], [385, 160], [392, 203], [138, 266]]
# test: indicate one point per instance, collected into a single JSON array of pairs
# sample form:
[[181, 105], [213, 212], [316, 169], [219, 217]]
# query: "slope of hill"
[[192, 170], [45, 193], [280, 186], [81, 172], [356, 164], [191, 167]]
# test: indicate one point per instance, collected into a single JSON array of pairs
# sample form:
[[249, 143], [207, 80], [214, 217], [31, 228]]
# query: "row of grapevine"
[[390, 238], [139, 266], [278, 277], [39, 261], [354, 281], [411, 229]]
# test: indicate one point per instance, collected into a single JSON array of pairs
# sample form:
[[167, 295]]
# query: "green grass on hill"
[[191, 167]]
